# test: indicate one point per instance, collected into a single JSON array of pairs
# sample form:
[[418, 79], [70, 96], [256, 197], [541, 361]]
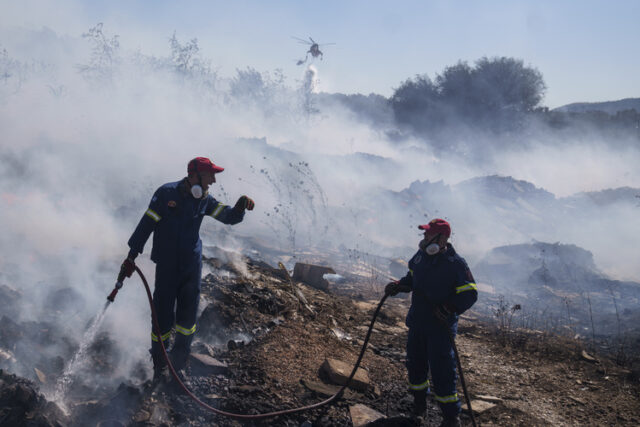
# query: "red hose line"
[[267, 414]]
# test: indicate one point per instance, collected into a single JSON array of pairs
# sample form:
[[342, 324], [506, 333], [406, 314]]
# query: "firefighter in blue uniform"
[[174, 216], [442, 288]]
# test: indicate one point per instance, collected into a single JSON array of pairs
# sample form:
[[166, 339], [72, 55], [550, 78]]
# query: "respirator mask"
[[431, 247], [196, 189]]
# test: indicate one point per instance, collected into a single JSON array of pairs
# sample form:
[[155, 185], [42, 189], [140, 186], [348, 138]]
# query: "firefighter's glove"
[[126, 269], [394, 288], [443, 311], [243, 203]]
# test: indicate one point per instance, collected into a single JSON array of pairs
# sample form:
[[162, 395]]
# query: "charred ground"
[[271, 337]]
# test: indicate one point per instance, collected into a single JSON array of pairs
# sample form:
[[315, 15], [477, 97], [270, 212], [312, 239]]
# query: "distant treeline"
[[495, 94], [494, 97]]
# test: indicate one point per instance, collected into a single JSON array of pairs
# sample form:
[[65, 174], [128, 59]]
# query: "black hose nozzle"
[[115, 290]]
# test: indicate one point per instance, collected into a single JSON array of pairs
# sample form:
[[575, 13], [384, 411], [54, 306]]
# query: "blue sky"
[[586, 51]]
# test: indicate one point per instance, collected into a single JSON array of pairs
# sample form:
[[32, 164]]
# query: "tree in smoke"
[[248, 84], [12, 74], [493, 94], [507, 84], [416, 102], [185, 57], [5, 65], [455, 89], [104, 55], [185, 64], [265, 92]]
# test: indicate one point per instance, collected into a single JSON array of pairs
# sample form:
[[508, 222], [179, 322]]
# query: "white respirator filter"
[[196, 191], [432, 249]]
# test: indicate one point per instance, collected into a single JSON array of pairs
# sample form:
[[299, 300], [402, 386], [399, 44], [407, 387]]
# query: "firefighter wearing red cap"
[[174, 216], [442, 287]]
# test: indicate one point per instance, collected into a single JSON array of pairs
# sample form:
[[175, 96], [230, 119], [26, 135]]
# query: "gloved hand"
[[243, 203], [443, 311], [126, 269], [394, 288]]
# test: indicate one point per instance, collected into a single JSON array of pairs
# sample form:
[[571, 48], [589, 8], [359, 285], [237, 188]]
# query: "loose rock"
[[479, 406], [362, 415], [339, 372], [203, 364], [312, 275]]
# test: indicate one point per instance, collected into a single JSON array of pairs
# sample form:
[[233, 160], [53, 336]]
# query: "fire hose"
[[156, 328], [339, 393]]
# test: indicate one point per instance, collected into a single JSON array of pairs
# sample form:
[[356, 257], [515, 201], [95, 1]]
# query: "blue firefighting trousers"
[[175, 298], [429, 348]]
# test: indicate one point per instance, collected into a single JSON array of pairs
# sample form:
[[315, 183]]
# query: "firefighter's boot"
[[180, 351], [450, 422], [159, 363], [419, 402]]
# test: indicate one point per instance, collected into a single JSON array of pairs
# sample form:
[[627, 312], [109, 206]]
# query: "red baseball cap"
[[437, 226], [203, 164]]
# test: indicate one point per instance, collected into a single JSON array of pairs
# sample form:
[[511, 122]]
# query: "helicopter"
[[314, 49]]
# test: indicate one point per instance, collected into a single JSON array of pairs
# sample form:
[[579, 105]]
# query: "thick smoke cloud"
[[91, 126]]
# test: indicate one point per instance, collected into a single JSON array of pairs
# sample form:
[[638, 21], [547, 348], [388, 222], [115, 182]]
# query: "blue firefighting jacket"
[[444, 278], [174, 217]]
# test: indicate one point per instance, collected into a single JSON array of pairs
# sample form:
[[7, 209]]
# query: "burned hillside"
[[265, 343], [560, 288]]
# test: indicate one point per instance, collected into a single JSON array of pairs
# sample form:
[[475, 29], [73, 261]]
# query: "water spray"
[[62, 385]]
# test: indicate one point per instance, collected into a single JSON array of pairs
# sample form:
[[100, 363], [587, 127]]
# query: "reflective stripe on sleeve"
[[411, 272], [185, 331], [466, 287], [446, 399], [153, 215], [218, 210], [418, 387], [164, 337]]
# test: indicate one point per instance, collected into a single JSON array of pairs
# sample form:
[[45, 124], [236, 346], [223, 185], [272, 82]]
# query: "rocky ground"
[[263, 340]]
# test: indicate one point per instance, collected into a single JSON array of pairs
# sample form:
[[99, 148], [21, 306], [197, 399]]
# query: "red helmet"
[[203, 164], [437, 226]]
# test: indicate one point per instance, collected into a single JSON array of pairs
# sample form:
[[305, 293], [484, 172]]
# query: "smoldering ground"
[[88, 134]]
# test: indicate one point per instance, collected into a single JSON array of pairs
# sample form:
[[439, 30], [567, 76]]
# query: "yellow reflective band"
[[153, 215], [411, 272], [447, 399], [164, 337], [218, 210], [418, 387], [185, 331], [467, 287]]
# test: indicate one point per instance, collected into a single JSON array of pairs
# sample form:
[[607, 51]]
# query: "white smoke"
[[86, 141]]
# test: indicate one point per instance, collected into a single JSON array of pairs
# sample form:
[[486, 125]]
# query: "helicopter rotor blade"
[[300, 40]]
